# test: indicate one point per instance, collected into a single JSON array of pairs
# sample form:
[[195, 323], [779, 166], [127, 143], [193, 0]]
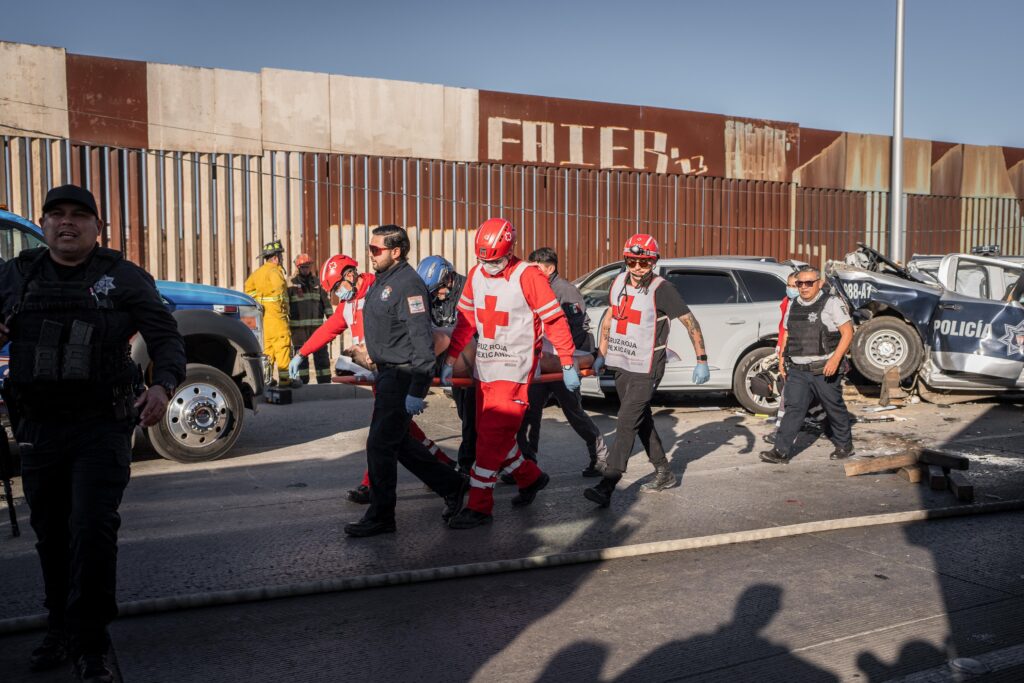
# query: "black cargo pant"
[[528, 437], [321, 359], [634, 419], [803, 387], [389, 443], [74, 475], [465, 405]]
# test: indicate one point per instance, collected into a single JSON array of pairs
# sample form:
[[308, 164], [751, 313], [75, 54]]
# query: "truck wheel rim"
[[886, 348], [197, 415]]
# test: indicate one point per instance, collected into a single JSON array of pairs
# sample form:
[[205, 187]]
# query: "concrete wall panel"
[[461, 114], [237, 112], [33, 91], [107, 101], [296, 110], [387, 118], [984, 173]]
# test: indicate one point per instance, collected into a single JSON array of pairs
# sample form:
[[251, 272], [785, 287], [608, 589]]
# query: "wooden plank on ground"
[[911, 473], [936, 478], [944, 459], [886, 462], [961, 486]]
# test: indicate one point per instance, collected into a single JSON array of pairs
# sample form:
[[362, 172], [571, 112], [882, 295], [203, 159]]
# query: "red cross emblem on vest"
[[491, 318], [625, 314]]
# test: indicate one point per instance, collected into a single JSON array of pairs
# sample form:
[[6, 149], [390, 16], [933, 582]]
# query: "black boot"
[[663, 479], [370, 527], [842, 452], [50, 653], [602, 493], [773, 456], [453, 501], [469, 518], [92, 668], [359, 495], [526, 496]]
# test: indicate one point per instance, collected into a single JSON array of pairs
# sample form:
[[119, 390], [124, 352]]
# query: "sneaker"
[[769, 438], [370, 527], [453, 502], [663, 479], [526, 495], [469, 518], [359, 495], [842, 452], [50, 653], [774, 457], [93, 669], [591, 471]]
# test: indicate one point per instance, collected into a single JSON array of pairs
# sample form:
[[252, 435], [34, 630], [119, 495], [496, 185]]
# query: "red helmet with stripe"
[[641, 246], [333, 269], [495, 238]]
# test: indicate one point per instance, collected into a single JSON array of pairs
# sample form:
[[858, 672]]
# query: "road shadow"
[[739, 642]]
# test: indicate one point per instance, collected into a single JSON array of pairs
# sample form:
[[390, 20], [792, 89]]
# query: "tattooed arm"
[[696, 336]]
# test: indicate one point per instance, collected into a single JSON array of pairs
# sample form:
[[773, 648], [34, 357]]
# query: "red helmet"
[[641, 246], [495, 238], [334, 268]]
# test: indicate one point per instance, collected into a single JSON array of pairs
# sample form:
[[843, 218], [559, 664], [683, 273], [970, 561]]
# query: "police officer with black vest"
[[69, 311], [396, 320], [819, 331]]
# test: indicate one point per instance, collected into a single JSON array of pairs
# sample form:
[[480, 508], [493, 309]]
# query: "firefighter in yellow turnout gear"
[[268, 284]]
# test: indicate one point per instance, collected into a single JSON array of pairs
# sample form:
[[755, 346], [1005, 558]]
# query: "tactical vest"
[[64, 361], [806, 334]]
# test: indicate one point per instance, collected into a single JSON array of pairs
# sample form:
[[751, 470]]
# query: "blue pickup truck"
[[223, 333]]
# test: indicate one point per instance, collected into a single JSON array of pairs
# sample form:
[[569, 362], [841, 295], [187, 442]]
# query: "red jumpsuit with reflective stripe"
[[523, 293]]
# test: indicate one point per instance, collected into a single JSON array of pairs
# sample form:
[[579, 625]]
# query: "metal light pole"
[[896, 186]]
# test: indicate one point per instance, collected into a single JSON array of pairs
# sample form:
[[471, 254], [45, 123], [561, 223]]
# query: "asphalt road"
[[868, 604]]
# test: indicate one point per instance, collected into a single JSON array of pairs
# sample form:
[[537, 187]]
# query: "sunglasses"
[[805, 283], [639, 262], [377, 251]]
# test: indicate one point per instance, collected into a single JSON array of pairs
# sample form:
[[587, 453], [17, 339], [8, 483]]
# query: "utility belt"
[[75, 402], [817, 367]]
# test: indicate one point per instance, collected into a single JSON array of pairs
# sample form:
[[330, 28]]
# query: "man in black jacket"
[[69, 311], [308, 306], [399, 340]]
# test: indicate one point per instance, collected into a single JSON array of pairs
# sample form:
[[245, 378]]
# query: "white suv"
[[736, 301]]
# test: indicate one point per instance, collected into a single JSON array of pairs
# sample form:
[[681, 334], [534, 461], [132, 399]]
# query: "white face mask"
[[792, 292], [494, 267]]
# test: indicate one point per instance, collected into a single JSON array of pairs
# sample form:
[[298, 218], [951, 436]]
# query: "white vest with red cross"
[[353, 314], [632, 337], [506, 340]]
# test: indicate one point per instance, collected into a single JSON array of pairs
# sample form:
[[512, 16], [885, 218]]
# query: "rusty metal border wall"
[[202, 217]]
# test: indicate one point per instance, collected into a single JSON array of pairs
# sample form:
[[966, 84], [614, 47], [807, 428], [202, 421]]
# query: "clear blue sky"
[[819, 63]]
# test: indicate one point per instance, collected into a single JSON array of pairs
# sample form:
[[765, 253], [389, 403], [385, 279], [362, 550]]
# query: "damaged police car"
[[956, 327]]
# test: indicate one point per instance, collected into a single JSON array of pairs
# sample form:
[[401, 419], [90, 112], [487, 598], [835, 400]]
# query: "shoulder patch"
[[416, 304]]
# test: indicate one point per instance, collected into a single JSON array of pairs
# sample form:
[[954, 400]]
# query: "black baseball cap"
[[71, 193]]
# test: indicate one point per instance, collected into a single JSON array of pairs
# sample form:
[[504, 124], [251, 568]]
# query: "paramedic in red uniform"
[[507, 302], [633, 339]]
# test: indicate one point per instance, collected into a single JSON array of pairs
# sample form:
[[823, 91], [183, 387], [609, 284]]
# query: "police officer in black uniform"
[[69, 310], [818, 334], [396, 321]]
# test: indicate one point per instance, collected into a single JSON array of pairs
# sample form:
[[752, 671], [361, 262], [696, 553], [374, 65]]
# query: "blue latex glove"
[[701, 373], [598, 365], [571, 378], [414, 405], [293, 367], [446, 374]]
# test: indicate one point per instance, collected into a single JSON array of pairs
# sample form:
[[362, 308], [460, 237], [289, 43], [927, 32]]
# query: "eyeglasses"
[[377, 251], [639, 263], [805, 283]]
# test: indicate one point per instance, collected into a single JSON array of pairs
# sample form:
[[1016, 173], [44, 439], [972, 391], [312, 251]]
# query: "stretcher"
[[456, 381]]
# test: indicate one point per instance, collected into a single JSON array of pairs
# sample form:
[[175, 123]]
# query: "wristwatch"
[[702, 357], [169, 387]]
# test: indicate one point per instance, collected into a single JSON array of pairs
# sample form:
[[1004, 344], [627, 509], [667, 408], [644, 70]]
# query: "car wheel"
[[884, 341], [741, 376], [203, 419]]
